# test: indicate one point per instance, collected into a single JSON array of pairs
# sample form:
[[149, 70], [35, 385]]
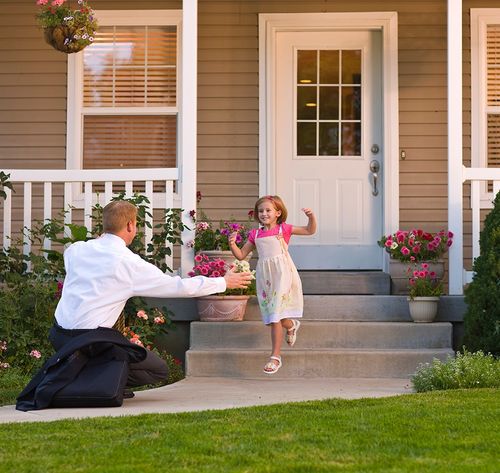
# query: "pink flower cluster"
[[35, 354], [423, 283], [416, 245], [205, 267]]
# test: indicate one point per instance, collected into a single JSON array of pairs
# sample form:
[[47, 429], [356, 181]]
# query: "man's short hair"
[[117, 214]]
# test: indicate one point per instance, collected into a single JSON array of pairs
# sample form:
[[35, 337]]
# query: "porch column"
[[455, 160], [188, 125]]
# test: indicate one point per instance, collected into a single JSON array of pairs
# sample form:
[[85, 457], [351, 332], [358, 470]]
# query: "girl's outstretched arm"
[[237, 252], [310, 228]]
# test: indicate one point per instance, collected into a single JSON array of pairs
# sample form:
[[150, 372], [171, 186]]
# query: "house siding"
[[33, 99]]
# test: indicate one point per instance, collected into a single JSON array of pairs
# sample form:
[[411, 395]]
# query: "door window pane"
[[329, 67], [329, 103], [306, 139], [351, 67], [328, 139], [351, 103], [307, 67], [306, 103], [351, 139]]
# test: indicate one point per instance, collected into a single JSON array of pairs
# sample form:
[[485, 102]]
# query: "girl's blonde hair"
[[117, 214], [277, 204]]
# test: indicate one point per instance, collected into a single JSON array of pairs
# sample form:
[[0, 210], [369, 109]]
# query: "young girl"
[[279, 289]]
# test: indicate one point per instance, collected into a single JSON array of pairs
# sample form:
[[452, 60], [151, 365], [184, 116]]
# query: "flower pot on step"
[[423, 309], [398, 271], [226, 255], [221, 308]]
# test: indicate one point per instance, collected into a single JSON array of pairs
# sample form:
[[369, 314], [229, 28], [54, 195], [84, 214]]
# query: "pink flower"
[[405, 251], [400, 238], [450, 234], [35, 354], [137, 341], [412, 258], [57, 3], [191, 274], [449, 243], [3, 345], [198, 258], [216, 274], [432, 274], [425, 265], [142, 315], [159, 320], [388, 243], [416, 249], [204, 270], [42, 2]]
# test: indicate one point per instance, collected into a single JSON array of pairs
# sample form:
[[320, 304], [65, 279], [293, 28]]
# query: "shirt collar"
[[113, 238]]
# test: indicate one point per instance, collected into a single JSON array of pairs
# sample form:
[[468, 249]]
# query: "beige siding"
[[33, 98]]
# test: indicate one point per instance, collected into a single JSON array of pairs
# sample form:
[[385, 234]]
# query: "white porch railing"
[[76, 197], [476, 176]]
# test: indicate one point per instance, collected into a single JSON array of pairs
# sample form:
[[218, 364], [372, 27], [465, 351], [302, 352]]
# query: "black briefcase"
[[97, 385]]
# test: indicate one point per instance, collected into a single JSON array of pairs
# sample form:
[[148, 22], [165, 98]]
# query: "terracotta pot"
[[222, 308], [423, 309], [399, 273]]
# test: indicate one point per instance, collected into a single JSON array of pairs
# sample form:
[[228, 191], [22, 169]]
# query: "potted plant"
[[64, 28], [424, 290], [213, 239], [229, 305], [409, 247]]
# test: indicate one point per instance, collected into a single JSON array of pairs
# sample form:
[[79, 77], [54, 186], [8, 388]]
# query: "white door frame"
[[386, 22]]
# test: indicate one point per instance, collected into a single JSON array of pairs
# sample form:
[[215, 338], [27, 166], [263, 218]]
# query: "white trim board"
[[387, 23]]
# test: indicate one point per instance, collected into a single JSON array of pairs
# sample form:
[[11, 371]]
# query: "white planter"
[[222, 308], [423, 309]]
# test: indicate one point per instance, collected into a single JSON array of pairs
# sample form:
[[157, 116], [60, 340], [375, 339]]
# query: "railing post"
[[188, 128], [455, 160]]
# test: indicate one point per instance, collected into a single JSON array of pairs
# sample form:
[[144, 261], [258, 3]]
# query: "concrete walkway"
[[198, 394]]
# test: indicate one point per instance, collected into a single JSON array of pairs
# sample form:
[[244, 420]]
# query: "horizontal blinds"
[[131, 66], [493, 140], [493, 64], [136, 141]]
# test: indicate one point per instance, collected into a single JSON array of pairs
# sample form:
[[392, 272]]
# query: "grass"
[[446, 431]]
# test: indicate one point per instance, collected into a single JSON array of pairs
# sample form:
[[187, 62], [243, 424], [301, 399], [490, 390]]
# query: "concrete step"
[[342, 363], [345, 282], [323, 335], [347, 308]]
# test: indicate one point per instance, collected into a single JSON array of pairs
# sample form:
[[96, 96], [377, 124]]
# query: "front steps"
[[345, 282], [340, 336]]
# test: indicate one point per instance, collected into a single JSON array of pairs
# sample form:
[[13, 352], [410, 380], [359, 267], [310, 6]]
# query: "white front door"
[[328, 133]]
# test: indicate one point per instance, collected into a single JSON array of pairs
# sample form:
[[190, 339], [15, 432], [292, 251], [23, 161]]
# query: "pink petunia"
[[449, 243], [405, 251], [220, 263], [216, 274], [159, 320], [35, 354], [204, 271], [425, 266], [42, 2], [142, 314], [198, 258], [450, 234], [57, 3], [412, 258], [388, 243], [432, 274]]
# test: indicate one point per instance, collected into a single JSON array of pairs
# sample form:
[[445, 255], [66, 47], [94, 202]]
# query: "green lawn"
[[446, 431]]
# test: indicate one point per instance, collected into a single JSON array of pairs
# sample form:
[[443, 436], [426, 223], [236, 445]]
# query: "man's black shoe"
[[128, 394]]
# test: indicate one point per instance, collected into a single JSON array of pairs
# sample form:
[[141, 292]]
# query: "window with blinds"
[[129, 102], [493, 96]]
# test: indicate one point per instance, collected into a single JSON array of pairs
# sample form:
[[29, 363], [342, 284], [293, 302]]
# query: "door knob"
[[374, 168]]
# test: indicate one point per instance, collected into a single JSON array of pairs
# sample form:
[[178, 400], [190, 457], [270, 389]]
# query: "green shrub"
[[482, 319], [467, 370]]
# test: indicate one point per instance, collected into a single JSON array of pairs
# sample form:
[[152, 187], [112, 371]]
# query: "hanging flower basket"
[[65, 29]]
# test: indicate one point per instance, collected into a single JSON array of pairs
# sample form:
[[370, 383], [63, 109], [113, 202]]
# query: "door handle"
[[375, 168]]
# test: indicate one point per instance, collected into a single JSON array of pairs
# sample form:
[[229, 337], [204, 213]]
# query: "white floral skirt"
[[279, 289]]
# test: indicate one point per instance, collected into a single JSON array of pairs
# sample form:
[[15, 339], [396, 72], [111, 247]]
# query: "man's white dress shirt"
[[102, 274]]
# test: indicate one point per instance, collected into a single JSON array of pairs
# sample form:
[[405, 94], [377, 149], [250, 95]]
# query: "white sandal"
[[270, 367], [292, 337]]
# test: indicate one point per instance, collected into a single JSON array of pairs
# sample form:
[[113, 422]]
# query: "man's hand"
[[237, 280]]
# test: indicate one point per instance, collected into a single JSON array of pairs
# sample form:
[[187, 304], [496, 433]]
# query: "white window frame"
[[480, 18], [75, 109]]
